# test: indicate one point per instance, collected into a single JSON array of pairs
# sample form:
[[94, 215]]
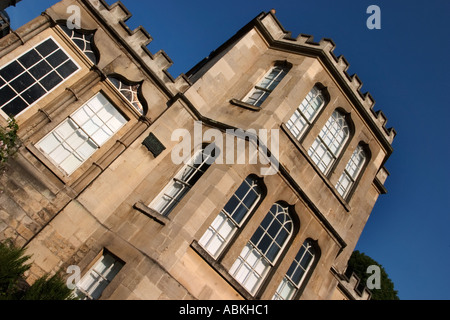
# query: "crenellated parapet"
[[280, 38], [116, 16]]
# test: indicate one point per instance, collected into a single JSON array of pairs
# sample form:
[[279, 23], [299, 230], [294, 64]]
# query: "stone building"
[[249, 177]]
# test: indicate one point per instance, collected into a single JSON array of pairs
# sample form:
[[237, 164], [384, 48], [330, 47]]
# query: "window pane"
[[77, 144], [22, 82], [29, 59], [33, 93], [98, 277], [41, 69], [11, 71], [23, 73]]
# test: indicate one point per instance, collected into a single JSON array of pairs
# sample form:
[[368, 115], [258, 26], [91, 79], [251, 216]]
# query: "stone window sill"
[[149, 212], [244, 105], [220, 269]]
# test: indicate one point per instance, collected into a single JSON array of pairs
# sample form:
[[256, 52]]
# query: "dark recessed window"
[[32, 75]]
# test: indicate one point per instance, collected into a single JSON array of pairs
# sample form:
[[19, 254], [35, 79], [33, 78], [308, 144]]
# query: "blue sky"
[[404, 66]]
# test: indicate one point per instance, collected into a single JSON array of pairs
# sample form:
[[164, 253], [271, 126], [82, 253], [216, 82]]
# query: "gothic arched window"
[[297, 272], [262, 251], [330, 142], [305, 114], [232, 216], [130, 92], [84, 40], [351, 171]]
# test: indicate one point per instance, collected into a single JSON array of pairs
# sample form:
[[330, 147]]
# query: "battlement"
[[138, 39], [350, 283], [324, 49]]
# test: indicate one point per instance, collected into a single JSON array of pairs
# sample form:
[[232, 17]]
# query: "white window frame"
[[289, 286], [330, 142], [306, 113], [224, 226], [79, 129], [252, 265], [180, 184], [351, 172], [132, 89], [265, 89], [35, 80], [98, 278]]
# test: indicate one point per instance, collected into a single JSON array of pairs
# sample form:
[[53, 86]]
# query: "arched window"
[[269, 82], [330, 142], [297, 272], [130, 92], [183, 181], [351, 171], [232, 216], [84, 40], [262, 251], [305, 114]]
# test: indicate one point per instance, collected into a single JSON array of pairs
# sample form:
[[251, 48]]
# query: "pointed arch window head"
[[328, 145], [232, 216], [84, 40], [130, 92], [305, 114], [351, 171], [263, 249], [297, 272]]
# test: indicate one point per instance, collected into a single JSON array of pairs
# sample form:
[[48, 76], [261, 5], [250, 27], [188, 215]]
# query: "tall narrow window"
[[83, 40], [232, 216], [351, 171], [183, 181], [72, 142], [328, 145], [92, 285], [130, 92], [261, 91], [32, 75], [262, 251], [306, 113], [297, 272]]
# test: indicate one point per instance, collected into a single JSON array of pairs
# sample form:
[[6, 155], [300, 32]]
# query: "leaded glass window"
[[306, 113], [263, 249], [296, 273], [328, 145], [130, 92], [83, 40], [231, 217], [351, 171]]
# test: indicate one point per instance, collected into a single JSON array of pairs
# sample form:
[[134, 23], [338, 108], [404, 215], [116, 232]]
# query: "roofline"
[[323, 50]]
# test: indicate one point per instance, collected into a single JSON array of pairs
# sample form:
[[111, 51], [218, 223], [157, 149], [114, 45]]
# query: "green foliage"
[[359, 262], [13, 286], [9, 140], [45, 288], [12, 268]]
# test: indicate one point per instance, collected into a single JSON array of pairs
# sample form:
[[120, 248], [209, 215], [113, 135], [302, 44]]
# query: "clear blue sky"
[[404, 66]]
